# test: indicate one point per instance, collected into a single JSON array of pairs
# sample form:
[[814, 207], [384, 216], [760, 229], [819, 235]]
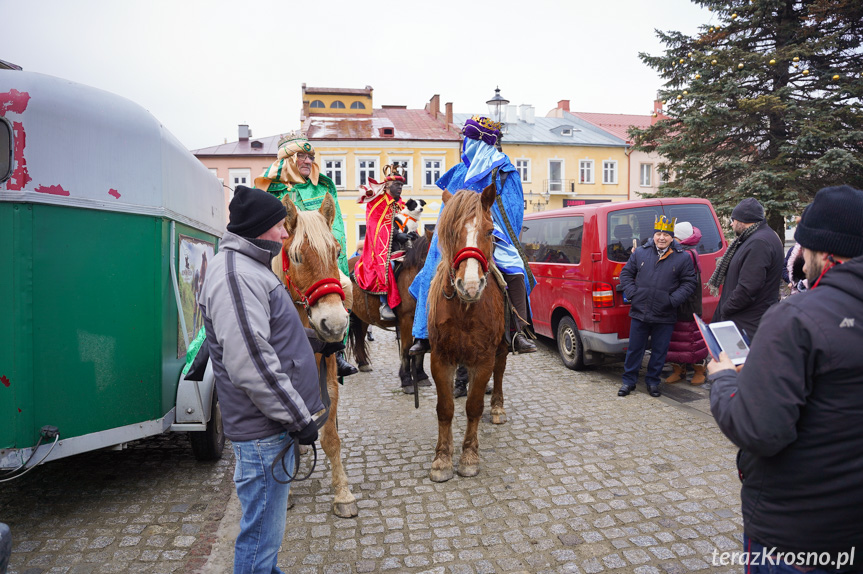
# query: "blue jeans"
[[660, 337], [760, 564], [264, 502]]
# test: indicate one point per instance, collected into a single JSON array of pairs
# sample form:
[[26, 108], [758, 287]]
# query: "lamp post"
[[496, 104]]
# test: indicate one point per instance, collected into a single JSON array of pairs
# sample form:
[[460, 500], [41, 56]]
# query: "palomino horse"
[[366, 312], [312, 279], [466, 324]]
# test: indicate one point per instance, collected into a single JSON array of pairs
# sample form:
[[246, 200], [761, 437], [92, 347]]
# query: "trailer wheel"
[[569, 344], [209, 444]]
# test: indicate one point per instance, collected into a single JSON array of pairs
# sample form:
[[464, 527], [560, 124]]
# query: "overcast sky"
[[203, 67]]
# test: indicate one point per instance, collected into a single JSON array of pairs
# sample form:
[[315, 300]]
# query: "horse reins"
[[313, 293]]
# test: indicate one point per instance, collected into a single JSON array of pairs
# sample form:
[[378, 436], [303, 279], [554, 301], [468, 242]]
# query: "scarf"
[[718, 278], [480, 158]]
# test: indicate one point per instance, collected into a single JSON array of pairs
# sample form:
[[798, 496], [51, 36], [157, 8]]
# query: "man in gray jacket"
[[266, 377]]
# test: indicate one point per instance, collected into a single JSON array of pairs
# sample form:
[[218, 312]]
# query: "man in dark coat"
[[658, 278], [750, 272], [795, 407]]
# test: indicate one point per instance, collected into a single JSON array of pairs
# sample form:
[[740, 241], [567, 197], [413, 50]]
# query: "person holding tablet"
[[795, 407]]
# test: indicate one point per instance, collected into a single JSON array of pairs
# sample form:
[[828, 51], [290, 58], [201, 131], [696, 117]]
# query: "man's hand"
[[722, 364], [318, 346], [402, 237], [307, 435], [413, 236]]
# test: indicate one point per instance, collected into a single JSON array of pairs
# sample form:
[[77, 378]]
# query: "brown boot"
[[678, 375], [698, 378]]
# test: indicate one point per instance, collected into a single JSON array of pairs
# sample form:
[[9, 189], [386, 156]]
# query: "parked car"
[[576, 255]]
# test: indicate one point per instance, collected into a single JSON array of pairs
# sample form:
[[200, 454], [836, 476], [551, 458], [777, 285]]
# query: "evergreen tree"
[[765, 102]]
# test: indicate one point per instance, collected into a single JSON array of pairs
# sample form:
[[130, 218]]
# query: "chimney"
[[448, 107], [434, 106], [563, 105], [527, 114], [511, 114], [244, 132]]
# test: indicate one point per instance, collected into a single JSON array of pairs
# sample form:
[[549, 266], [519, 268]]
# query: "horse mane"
[[464, 206], [311, 229], [416, 255]]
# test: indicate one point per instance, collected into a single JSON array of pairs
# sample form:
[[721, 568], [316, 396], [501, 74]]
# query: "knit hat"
[[683, 230], [748, 211], [253, 212], [832, 222]]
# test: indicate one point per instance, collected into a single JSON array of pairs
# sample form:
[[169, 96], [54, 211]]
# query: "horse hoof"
[[441, 475], [408, 389], [468, 470], [424, 383], [366, 368], [345, 509], [498, 419]]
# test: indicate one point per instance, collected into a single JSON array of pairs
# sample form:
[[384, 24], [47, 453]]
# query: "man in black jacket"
[[750, 272], [658, 278], [796, 406]]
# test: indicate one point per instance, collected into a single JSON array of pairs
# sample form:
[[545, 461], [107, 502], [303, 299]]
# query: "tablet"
[[723, 336]]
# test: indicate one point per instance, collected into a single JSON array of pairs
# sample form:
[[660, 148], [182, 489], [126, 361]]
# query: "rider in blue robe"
[[480, 156]]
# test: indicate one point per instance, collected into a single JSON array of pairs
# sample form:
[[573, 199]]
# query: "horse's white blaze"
[[329, 320], [472, 269]]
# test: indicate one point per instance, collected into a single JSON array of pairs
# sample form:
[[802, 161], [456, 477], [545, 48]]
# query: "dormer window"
[[317, 104], [358, 106], [337, 104], [257, 145], [566, 132], [388, 132]]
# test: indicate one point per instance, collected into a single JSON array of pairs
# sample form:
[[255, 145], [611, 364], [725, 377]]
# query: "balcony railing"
[[558, 186]]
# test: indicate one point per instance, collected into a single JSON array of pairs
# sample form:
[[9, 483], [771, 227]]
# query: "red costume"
[[373, 271]]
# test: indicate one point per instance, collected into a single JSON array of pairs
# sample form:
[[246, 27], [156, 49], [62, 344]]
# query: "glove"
[[318, 346], [413, 236], [402, 237], [308, 435]]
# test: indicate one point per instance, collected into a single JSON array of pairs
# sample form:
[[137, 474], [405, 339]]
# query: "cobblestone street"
[[577, 480]]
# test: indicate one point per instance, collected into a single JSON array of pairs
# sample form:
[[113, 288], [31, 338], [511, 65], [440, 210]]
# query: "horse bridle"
[[313, 293], [463, 254]]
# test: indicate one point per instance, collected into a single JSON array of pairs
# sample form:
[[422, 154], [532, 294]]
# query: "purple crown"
[[480, 128]]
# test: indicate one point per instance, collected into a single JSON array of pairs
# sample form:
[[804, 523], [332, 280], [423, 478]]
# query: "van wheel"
[[569, 344], [209, 444]]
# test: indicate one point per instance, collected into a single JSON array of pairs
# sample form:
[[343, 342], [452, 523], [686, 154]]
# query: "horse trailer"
[[106, 221]]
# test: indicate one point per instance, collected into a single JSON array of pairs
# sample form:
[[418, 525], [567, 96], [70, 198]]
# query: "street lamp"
[[496, 104]]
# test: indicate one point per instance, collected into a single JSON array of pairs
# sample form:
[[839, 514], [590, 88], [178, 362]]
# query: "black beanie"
[[833, 222], [748, 211], [253, 212]]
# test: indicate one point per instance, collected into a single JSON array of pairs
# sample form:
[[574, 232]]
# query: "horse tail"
[[356, 338]]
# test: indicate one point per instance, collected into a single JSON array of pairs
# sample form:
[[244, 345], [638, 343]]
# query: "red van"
[[576, 254]]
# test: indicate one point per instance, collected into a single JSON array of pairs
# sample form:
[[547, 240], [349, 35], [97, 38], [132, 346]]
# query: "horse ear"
[[429, 234], [489, 194], [328, 209], [291, 217], [446, 196]]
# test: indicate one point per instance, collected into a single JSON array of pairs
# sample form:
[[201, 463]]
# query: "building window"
[[585, 171], [317, 104], [645, 174], [609, 171], [405, 165], [365, 170], [239, 177], [5, 150], [358, 106], [432, 170], [523, 167], [335, 170], [555, 175], [337, 104]]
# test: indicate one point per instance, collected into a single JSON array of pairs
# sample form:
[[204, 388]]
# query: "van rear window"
[[632, 227], [553, 240], [5, 150]]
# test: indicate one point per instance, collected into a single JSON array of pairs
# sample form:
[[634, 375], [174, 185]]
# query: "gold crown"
[[663, 224], [394, 172], [301, 140], [487, 123]]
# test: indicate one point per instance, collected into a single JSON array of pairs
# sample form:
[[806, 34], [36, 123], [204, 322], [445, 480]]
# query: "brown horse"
[[312, 279], [466, 325], [366, 311]]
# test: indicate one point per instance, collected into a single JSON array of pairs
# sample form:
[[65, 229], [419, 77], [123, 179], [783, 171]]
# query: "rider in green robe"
[[295, 173]]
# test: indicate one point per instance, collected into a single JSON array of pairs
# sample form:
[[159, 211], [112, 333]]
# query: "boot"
[[344, 368], [679, 373], [460, 387], [698, 378], [386, 313], [521, 344], [419, 347]]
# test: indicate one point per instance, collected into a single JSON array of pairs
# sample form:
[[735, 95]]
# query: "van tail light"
[[603, 295]]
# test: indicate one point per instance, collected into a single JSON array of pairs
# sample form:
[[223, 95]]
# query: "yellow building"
[[353, 143]]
